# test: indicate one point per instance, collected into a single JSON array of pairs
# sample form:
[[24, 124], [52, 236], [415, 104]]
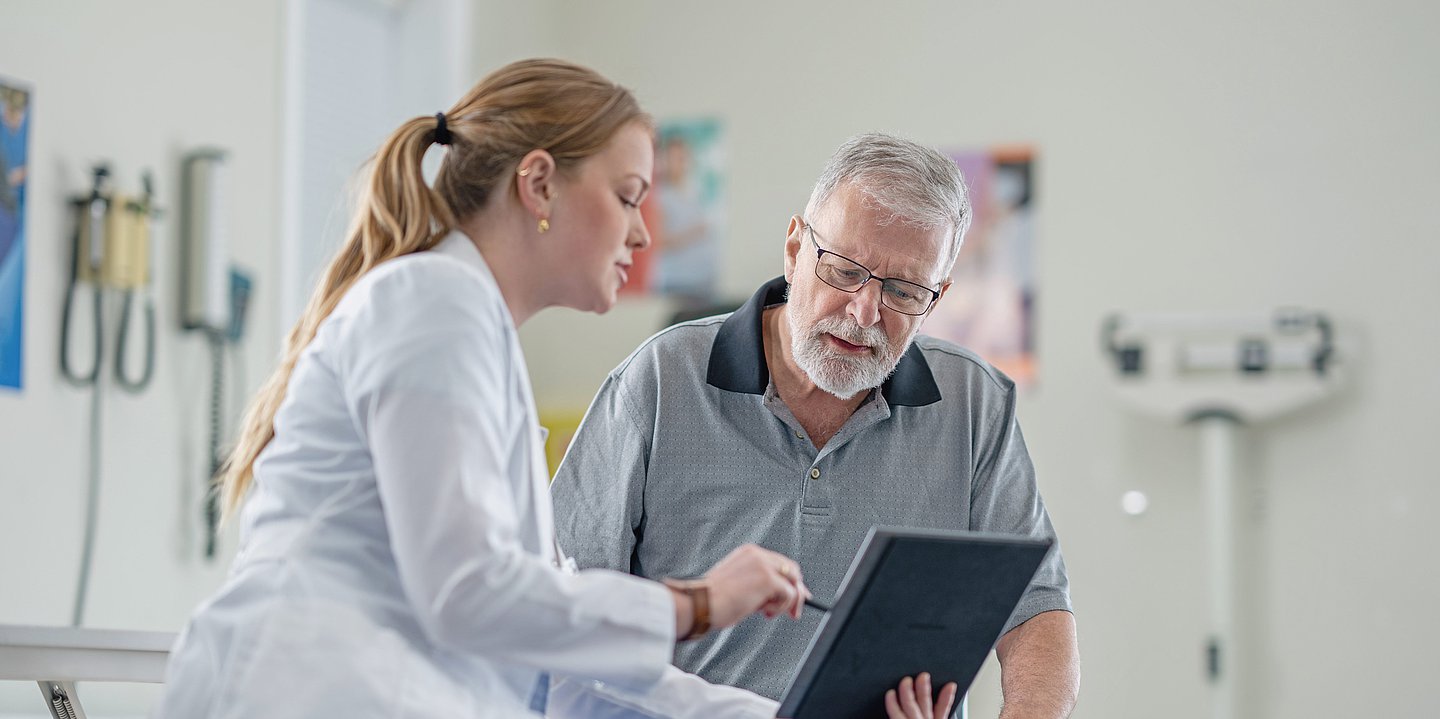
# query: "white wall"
[[135, 84], [355, 70], [1192, 156]]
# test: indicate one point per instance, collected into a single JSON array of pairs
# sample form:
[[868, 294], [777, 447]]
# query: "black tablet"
[[914, 600]]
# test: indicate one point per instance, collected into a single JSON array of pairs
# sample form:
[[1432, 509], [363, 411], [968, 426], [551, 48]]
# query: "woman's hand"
[[913, 699], [751, 579]]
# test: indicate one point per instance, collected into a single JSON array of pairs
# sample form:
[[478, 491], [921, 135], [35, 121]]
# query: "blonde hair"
[[566, 109]]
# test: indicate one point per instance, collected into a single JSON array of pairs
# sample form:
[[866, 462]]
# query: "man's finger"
[[892, 705], [947, 700], [907, 698]]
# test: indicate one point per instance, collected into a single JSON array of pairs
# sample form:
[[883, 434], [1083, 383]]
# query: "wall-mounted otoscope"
[[111, 252]]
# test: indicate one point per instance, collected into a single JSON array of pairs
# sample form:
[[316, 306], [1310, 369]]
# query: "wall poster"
[[14, 159], [685, 215], [990, 308]]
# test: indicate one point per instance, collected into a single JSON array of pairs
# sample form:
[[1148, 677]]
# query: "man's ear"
[[535, 182], [943, 289], [794, 237]]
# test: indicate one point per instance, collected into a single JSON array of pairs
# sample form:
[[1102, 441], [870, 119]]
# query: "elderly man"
[[813, 412]]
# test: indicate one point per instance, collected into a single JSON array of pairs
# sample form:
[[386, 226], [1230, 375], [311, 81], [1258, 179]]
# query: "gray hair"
[[915, 184]]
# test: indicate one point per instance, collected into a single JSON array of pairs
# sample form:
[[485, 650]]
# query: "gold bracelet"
[[699, 594]]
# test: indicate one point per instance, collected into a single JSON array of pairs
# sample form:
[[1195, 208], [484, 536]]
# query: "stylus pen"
[[810, 602]]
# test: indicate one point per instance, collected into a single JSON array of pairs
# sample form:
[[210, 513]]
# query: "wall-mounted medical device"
[[112, 250], [1252, 366], [214, 294], [1219, 373], [204, 243], [111, 254]]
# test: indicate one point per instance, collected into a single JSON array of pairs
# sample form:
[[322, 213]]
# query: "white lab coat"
[[397, 555]]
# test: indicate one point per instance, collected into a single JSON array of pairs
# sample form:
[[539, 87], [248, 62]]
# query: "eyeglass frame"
[[820, 252]]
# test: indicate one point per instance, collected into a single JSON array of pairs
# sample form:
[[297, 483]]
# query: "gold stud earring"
[[544, 226], [524, 172]]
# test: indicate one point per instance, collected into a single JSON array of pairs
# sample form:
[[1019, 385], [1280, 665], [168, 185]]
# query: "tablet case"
[[914, 600]]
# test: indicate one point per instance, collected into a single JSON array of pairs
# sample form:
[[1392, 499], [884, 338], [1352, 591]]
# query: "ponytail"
[[564, 108], [398, 215]]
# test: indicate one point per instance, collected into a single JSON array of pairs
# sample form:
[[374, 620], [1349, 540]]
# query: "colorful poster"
[[685, 215], [14, 158], [990, 308]]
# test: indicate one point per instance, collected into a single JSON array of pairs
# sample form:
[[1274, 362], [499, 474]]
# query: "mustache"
[[846, 328]]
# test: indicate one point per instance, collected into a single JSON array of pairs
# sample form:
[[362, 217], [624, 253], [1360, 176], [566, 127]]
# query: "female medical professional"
[[397, 556]]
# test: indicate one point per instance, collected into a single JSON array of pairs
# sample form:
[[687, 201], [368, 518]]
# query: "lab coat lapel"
[[542, 542], [538, 470]]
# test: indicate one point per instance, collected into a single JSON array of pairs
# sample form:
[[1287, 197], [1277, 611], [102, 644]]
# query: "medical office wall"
[[1189, 156], [135, 85]]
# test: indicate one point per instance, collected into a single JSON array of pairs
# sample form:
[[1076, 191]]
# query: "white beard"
[[842, 375]]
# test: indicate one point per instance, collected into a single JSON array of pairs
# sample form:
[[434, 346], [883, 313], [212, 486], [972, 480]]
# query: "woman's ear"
[[535, 182]]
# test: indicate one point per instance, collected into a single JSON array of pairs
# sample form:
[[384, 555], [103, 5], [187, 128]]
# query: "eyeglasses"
[[847, 275]]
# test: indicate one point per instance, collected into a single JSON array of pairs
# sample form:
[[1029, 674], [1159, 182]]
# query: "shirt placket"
[[816, 507]]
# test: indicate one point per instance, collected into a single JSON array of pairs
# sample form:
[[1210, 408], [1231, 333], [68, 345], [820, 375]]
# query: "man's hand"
[[915, 700]]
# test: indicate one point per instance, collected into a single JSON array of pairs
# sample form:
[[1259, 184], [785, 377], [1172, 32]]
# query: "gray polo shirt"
[[687, 452]]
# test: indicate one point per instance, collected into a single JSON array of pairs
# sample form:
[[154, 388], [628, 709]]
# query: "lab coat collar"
[[459, 246]]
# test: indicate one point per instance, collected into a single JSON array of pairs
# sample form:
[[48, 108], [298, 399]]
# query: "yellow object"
[[124, 241], [562, 424], [127, 244]]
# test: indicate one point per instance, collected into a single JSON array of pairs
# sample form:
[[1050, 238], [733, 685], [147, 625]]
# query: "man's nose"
[[864, 304]]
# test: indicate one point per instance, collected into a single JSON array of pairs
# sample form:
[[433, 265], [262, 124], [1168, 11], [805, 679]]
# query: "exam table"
[[57, 657]]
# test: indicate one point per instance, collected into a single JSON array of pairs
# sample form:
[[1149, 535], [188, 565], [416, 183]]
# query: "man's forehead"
[[853, 205], [860, 227]]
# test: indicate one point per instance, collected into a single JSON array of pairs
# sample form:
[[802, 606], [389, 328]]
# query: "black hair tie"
[[442, 133]]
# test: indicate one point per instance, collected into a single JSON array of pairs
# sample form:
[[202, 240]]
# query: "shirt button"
[[814, 473], [799, 435]]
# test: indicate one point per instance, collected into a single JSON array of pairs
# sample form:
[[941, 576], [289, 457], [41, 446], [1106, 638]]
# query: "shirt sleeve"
[[428, 376], [599, 488], [1006, 500]]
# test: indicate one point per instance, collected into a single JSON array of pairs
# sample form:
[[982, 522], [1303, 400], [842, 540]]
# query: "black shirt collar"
[[737, 359]]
